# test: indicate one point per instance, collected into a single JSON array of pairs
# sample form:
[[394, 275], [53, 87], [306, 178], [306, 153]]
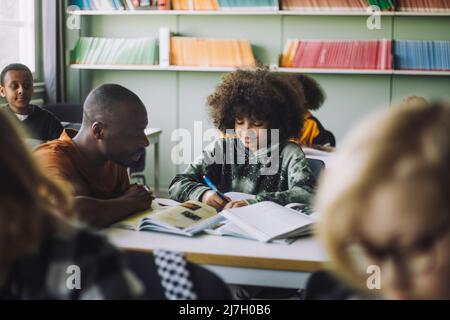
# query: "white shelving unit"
[[421, 73], [255, 13], [286, 70], [249, 13], [150, 68], [170, 13]]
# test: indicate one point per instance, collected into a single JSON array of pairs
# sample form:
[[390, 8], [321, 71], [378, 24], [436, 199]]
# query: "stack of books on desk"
[[264, 221], [186, 219]]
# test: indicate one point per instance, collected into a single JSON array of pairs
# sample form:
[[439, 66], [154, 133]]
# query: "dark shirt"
[[43, 273], [40, 124]]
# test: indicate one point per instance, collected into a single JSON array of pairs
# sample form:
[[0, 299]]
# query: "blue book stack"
[[258, 5], [422, 55], [108, 4]]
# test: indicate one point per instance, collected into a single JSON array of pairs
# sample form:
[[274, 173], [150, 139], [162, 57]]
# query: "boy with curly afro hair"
[[262, 109]]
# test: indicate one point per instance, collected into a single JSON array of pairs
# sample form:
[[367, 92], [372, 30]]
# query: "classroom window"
[[18, 32]]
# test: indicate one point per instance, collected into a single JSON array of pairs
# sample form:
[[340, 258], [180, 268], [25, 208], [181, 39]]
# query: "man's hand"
[[236, 204], [141, 196], [213, 200]]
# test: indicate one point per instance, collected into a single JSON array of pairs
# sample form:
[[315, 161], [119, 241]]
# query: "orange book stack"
[[199, 52], [195, 5]]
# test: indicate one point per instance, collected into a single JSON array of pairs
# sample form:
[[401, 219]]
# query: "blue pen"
[[214, 188]]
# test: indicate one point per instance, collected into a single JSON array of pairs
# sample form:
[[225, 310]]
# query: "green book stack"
[[116, 51], [383, 4]]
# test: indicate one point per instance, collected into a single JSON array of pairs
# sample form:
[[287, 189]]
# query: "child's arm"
[[301, 184], [189, 184]]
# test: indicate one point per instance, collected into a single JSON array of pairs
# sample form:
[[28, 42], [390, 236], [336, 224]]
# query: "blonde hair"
[[414, 100], [30, 203], [410, 143]]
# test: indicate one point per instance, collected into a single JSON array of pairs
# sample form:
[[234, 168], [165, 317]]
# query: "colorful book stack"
[[186, 51], [108, 5], [115, 51], [422, 55], [345, 54], [424, 5], [227, 5], [335, 5], [194, 5], [250, 5]]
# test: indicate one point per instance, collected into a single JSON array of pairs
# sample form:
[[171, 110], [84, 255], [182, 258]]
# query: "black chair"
[[322, 285], [331, 138], [207, 285], [316, 166], [137, 171], [70, 114]]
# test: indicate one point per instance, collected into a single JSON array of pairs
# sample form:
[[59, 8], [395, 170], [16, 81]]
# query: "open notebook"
[[265, 221], [186, 218]]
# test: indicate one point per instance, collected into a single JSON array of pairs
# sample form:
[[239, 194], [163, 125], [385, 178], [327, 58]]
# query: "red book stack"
[[344, 54], [424, 5]]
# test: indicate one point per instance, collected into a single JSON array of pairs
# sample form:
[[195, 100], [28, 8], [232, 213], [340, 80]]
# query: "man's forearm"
[[102, 213]]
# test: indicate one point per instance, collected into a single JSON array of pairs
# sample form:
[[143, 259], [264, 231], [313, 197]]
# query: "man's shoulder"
[[55, 146], [56, 149]]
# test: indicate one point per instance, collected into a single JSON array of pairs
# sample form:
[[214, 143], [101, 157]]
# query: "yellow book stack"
[[200, 52]]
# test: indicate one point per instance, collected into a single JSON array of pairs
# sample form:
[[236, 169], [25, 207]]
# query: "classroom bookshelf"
[[275, 69], [176, 95], [251, 13]]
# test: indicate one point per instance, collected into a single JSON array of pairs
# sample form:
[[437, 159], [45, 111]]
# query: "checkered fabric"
[[175, 277], [43, 274]]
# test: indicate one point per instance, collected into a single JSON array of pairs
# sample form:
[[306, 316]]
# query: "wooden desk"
[[236, 261], [153, 135]]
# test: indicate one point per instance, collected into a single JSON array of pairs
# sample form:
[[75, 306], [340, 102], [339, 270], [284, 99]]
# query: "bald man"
[[93, 161]]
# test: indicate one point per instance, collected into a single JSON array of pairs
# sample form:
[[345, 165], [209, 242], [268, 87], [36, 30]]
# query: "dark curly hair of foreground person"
[[260, 95]]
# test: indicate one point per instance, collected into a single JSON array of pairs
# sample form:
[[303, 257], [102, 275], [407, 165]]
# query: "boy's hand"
[[141, 196], [236, 204], [213, 200]]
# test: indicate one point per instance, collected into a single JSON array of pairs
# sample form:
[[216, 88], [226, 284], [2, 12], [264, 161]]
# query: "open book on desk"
[[188, 218], [265, 221]]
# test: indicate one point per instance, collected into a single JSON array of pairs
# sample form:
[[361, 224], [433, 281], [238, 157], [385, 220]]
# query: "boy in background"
[[16, 86]]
